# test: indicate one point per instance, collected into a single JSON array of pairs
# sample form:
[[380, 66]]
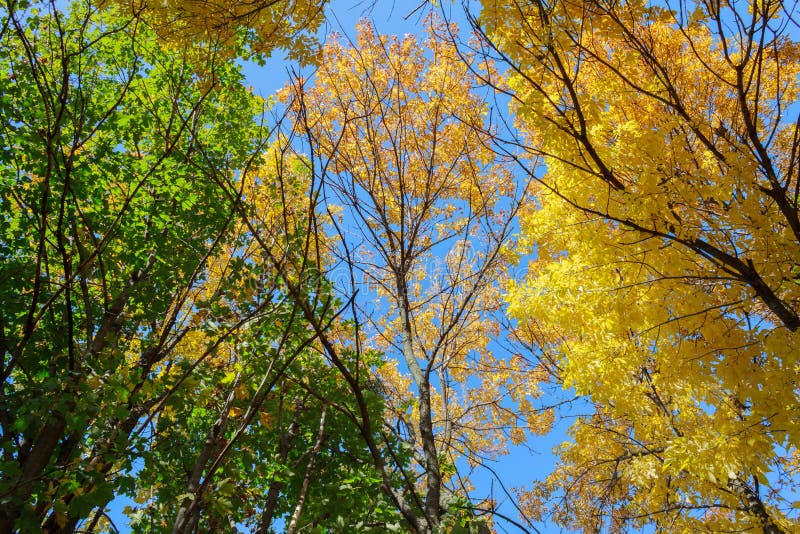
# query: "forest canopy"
[[354, 305]]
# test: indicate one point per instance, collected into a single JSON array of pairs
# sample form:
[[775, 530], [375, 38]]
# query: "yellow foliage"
[[402, 136], [667, 235], [232, 28]]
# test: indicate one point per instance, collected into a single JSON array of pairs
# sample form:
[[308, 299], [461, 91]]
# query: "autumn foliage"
[[666, 229], [340, 308], [427, 213]]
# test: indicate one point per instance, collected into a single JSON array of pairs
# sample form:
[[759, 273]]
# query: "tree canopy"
[[341, 307], [666, 228]]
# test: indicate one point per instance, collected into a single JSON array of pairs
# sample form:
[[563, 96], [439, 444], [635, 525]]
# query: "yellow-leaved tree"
[[667, 239], [423, 211], [250, 28]]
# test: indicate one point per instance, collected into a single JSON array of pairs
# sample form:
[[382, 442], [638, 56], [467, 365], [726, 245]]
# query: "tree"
[[111, 215], [422, 210], [666, 230], [261, 430], [251, 29]]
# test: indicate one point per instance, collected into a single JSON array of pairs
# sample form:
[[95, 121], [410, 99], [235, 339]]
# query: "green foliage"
[[110, 167], [271, 454], [151, 345]]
